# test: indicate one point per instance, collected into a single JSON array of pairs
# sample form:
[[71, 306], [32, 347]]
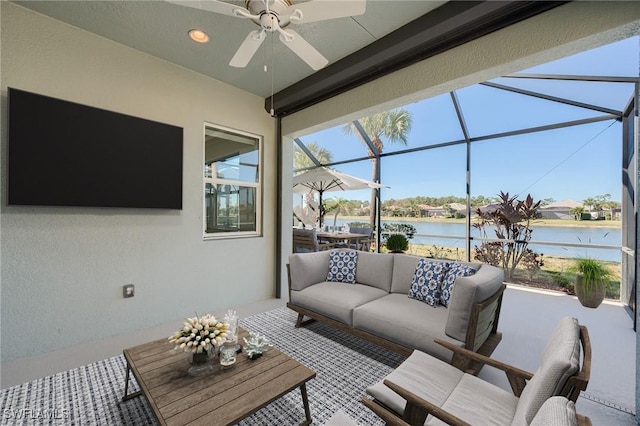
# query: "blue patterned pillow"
[[427, 280], [455, 270], [342, 266]]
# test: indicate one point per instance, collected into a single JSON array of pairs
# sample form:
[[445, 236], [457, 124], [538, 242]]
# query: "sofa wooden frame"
[[417, 409], [481, 313]]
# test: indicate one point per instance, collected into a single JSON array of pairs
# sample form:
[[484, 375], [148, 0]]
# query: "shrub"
[[397, 243]]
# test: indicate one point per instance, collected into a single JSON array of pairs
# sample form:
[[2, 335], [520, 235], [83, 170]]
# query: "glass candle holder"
[[228, 353]]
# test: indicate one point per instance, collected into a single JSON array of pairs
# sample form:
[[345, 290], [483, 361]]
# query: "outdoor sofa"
[[376, 305]]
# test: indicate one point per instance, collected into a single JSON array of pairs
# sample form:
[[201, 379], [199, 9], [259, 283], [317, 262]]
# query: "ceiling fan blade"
[[303, 49], [247, 49], [321, 10], [210, 6]]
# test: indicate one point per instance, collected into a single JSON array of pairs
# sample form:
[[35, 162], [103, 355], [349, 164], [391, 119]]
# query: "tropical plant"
[[396, 243], [511, 221], [591, 281], [392, 126], [577, 212]]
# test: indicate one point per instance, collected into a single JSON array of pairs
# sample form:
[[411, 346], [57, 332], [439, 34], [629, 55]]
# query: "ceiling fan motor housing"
[[269, 21]]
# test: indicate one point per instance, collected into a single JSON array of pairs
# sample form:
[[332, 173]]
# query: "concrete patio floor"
[[528, 318]]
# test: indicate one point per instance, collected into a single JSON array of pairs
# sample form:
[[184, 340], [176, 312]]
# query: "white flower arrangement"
[[200, 334]]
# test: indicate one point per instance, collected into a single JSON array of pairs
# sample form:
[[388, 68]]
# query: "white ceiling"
[[160, 29]]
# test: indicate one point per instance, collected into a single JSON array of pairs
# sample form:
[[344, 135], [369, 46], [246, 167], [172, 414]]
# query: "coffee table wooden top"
[[221, 398]]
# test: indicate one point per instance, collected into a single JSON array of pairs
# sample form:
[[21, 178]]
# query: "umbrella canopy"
[[322, 179]]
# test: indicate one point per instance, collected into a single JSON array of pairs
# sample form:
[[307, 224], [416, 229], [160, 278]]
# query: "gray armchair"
[[424, 388]]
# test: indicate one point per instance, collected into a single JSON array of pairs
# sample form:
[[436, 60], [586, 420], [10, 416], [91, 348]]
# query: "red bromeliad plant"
[[511, 220]]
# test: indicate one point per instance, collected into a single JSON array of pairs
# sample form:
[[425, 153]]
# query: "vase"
[[200, 364]]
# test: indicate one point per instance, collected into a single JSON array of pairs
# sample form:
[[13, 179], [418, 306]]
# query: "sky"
[[571, 163]]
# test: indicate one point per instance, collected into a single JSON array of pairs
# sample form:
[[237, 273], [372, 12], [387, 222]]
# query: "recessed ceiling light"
[[198, 36]]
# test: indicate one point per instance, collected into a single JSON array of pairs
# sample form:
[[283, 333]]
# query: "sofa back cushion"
[[306, 269], [375, 269], [560, 360], [404, 267]]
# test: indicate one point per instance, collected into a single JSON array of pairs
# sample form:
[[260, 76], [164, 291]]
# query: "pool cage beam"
[[467, 139]]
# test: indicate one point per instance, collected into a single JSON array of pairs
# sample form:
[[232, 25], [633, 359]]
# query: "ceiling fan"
[[274, 16]]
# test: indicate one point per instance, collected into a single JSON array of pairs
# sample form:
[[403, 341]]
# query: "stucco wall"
[[62, 269]]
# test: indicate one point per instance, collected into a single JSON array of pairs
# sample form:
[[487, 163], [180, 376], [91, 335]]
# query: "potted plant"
[[397, 243], [591, 281]]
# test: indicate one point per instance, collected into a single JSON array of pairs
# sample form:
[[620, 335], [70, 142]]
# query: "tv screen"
[[66, 154]]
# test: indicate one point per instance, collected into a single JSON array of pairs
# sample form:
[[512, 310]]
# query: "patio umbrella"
[[322, 180]]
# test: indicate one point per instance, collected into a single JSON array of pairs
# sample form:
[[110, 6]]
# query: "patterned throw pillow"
[[427, 280], [342, 266], [455, 270]]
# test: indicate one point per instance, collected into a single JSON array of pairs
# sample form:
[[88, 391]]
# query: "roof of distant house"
[[567, 204]]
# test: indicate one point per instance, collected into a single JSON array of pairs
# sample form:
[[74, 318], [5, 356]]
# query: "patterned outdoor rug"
[[91, 395]]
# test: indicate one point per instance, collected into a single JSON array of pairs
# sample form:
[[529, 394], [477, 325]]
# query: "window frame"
[[239, 183]]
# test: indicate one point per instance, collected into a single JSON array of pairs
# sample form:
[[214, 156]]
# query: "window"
[[232, 183]]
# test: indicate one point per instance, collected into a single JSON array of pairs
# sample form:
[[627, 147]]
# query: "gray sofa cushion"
[[336, 300], [308, 268], [404, 266], [375, 269], [409, 322]]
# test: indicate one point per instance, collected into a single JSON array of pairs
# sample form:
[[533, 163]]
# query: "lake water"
[[572, 235]]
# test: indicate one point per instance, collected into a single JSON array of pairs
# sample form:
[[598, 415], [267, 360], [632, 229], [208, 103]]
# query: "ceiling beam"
[[452, 24]]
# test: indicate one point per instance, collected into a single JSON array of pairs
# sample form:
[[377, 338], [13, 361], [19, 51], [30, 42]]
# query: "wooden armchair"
[[424, 387], [306, 240]]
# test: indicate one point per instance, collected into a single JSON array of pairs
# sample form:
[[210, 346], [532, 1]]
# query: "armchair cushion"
[[433, 380], [556, 411], [427, 280], [559, 361], [342, 266]]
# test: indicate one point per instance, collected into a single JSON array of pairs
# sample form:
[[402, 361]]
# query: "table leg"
[[126, 386], [305, 402]]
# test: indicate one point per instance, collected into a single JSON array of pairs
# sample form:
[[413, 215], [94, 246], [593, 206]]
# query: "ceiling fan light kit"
[[198, 36], [274, 16]]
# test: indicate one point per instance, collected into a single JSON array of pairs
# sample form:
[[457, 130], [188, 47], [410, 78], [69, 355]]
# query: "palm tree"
[[302, 161], [337, 206], [390, 126]]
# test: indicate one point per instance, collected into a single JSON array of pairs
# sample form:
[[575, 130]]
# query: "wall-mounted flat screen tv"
[[66, 154]]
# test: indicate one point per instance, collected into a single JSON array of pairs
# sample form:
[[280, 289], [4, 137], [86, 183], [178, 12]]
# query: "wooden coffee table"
[[221, 398]]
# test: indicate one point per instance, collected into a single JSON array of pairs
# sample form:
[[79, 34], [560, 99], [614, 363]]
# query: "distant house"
[[560, 210], [425, 210], [447, 210]]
